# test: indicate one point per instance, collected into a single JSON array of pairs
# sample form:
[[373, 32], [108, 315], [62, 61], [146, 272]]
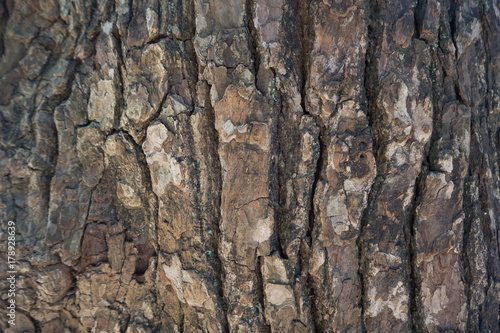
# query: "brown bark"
[[251, 165]]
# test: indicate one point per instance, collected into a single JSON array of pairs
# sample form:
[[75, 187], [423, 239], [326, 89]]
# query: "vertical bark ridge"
[[282, 58], [430, 226], [210, 172], [370, 89], [5, 17], [312, 225], [490, 20], [489, 177], [336, 97], [416, 316], [253, 43], [479, 252], [246, 150], [305, 32], [219, 265], [400, 141]]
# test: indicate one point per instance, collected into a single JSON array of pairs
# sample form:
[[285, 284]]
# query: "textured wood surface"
[[251, 165]]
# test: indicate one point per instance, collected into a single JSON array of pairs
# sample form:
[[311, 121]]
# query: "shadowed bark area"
[[251, 165]]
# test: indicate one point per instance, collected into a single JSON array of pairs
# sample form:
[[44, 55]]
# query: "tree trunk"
[[250, 165]]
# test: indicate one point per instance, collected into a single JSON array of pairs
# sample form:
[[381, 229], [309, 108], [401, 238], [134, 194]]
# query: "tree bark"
[[250, 165]]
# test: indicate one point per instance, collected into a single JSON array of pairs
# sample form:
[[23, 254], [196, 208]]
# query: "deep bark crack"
[[252, 34], [370, 83]]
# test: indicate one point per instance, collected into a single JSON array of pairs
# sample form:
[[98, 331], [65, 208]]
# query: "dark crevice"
[[51, 61], [219, 266], [488, 238], [453, 26], [469, 209], [370, 89], [315, 311], [253, 36], [460, 98], [161, 37], [156, 39], [305, 38], [161, 18], [49, 174], [476, 201], [217, 238], [491, 73], [92, 29], [266, 328], [276, 197], [418, 17], [485, 28], [279, 197], [296, 17], [3, 23], [120, 105], [302, 60], [362, 246], [124, 326], [320, 165], [130, 14], [214, 229], [305, 21], [361, 258], [416, 319], [468, 201], [452, 15], [192, 70], [214, 238], [371, 81], [181, 324]]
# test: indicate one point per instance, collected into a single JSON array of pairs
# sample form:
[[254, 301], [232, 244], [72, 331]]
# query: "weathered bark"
[[251, 165]]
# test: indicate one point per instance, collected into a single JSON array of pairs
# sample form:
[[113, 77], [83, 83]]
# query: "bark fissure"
[[217, 234], [316, 313], [3, 24], [266, 328], [306, 36], [369, 84], [253, 40], [416, 319], [218, 260], [278, 192], [370, 80]]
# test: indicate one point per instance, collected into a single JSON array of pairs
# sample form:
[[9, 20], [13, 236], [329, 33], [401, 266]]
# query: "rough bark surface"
[[251, 165]]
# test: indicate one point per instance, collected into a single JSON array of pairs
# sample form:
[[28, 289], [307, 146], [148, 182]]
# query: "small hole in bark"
[[144, 253], [362, 156], [129, 236]]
